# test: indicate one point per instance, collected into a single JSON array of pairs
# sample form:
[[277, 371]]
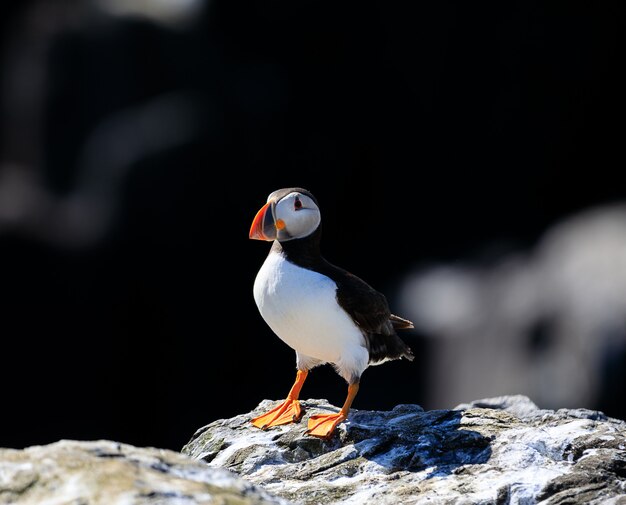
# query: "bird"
[[323, 312]]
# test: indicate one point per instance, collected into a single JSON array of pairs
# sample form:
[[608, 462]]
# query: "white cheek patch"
[[298, 222]]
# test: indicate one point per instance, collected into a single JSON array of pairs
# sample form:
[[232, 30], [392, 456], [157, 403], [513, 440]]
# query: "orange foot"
[[287, 412], [323, 425]]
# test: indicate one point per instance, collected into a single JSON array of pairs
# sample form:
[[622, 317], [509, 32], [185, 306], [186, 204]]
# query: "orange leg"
[[287, 412], [323, 425]]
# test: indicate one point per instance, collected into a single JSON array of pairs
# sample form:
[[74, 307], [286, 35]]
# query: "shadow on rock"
[[410, 439]]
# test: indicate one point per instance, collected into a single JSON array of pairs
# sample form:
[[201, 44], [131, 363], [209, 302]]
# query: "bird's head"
[[289, 213]]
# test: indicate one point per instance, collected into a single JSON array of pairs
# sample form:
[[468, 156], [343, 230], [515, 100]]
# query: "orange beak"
[[263, 226]]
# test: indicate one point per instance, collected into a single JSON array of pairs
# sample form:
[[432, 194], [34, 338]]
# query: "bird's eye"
[[297, 204]]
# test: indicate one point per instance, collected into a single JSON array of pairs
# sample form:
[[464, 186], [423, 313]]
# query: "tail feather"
[[399, 323], [387, 345]]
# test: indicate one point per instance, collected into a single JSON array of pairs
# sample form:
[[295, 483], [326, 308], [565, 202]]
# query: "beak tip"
[[262, 225]]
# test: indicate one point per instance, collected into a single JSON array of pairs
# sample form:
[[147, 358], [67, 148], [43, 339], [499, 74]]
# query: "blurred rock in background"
[[550, 321]]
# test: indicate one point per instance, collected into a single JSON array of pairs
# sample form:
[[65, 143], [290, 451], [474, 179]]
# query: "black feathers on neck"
[[304, 252]]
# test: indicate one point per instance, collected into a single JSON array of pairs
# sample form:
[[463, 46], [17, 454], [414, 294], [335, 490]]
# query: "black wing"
[[370, 311]]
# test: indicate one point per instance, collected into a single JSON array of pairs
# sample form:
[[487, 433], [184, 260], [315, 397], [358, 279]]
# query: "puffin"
[[326, 314]]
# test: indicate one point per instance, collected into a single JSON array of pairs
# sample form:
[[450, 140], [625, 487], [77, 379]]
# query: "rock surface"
[[108, 473], [492, 451]]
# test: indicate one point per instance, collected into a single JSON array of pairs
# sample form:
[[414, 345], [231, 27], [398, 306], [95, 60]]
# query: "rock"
[[108, 473], [490, 451]]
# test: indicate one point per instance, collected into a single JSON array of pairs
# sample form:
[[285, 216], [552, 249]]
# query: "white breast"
[[300, 306]]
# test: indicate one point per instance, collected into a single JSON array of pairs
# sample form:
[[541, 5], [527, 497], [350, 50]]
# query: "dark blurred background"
[[447, 142]]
